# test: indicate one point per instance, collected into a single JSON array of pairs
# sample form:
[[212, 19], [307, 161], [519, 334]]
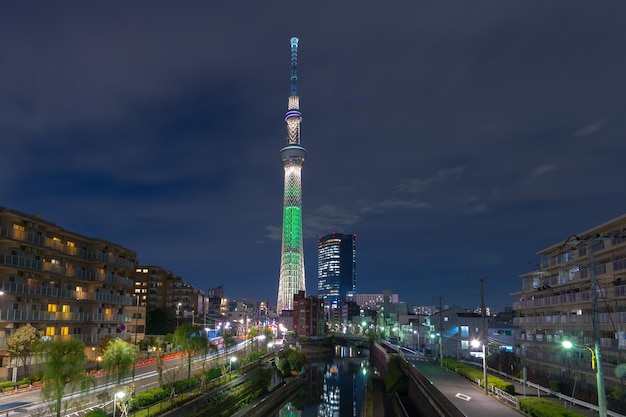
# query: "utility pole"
[[440, 297], [483, 311]]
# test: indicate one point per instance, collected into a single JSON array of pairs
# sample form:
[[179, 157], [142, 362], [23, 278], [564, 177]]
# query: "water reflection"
[[334, 389]]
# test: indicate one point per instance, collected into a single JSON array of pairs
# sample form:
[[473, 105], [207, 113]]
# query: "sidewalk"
[[533, 390]]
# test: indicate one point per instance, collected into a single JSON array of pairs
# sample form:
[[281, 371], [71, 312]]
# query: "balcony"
[[42, 316], [21, 262], [42, 290]]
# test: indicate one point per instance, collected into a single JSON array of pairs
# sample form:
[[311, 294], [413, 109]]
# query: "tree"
[[23, 344], [191, 339], [229, 340], [119, 356], [65, 366]]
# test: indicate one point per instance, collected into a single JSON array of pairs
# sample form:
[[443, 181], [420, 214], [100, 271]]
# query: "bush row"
[[540, 407], [473, 374]]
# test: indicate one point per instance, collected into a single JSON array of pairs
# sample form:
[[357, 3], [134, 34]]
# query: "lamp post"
[[120, 395], [136, 325], [232, 360], [178, 315], [476, 343], [602, 411]]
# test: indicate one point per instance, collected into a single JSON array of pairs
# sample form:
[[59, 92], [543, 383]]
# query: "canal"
[[334, 388]]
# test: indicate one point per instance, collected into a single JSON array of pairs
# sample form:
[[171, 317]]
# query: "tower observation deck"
[[292, 256]]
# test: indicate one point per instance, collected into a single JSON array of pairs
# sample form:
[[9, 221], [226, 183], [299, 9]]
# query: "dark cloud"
[[455, 139]]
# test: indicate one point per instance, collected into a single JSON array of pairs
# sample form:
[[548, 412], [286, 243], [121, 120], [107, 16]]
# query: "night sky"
[[455, 139]]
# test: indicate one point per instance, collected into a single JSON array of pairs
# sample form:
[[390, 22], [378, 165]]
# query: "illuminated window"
[[108, 311], [71, 244], [464, 331], [52, 308], [50, 331], [65, 330], [65, 308]]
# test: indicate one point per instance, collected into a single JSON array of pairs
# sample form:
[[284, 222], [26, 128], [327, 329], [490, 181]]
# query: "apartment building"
[[170, 293], [64, 284], [557, 303], [308, 315]]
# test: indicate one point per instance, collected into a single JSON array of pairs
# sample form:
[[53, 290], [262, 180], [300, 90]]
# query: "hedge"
[[540, 407], [473, 374]]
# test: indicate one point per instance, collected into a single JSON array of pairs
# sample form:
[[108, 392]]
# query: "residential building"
[[370, 301], [308, 315], [580, 283], [170, 293], [64, 284]]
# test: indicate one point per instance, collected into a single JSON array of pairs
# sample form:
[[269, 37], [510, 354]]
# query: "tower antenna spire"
[[294, 66]]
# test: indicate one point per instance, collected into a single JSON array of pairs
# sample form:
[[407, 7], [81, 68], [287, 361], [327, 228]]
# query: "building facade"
[[308, 315], [291, 279], [170, 293], [64, 284], [336, 268], [577, 294]]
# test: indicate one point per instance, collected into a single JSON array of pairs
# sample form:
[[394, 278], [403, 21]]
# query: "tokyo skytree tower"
[[292, 256]]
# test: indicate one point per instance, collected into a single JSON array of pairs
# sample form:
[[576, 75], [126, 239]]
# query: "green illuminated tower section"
[[292, 256]]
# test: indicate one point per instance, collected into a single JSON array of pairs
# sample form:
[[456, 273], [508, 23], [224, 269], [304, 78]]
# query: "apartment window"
[[52, 308], [464, 331], [65, 330], [65, 308], [108, 311], [50, 330]]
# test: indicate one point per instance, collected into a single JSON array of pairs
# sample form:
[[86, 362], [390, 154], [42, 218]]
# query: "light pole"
[[178, 315], [599, 377], [136, 325], [120, 395], [232, 360], [476, 343]]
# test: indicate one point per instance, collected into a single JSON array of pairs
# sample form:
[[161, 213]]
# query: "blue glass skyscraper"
[[336, 268]]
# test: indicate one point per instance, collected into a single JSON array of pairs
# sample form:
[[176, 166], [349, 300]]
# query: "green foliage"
[[184, 385], [65, 366], [119, 357], [291, 360], [555, 385], [474, 374], [10, 384], [226, 402], [23, 344], [395, 380], [191, 339], [98, 412], [145, 398], [229, 339], [540, 407]]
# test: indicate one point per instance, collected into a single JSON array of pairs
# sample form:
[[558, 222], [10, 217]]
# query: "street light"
[[568, 345], [120, 395], [599, 376], [476, 343], [232, 360], [136, 325]]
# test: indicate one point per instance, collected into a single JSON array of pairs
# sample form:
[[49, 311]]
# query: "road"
[[29, 403], [467, 397]]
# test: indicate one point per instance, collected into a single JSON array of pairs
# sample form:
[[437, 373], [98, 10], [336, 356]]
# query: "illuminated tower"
[[292, 257]]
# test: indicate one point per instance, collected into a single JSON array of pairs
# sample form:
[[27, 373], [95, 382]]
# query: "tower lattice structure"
[[292, 256]]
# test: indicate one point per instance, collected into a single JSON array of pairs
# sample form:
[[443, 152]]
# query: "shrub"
[[98, 412], [540, 407]]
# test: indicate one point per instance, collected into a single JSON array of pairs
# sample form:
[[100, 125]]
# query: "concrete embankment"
[[274, 399]]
